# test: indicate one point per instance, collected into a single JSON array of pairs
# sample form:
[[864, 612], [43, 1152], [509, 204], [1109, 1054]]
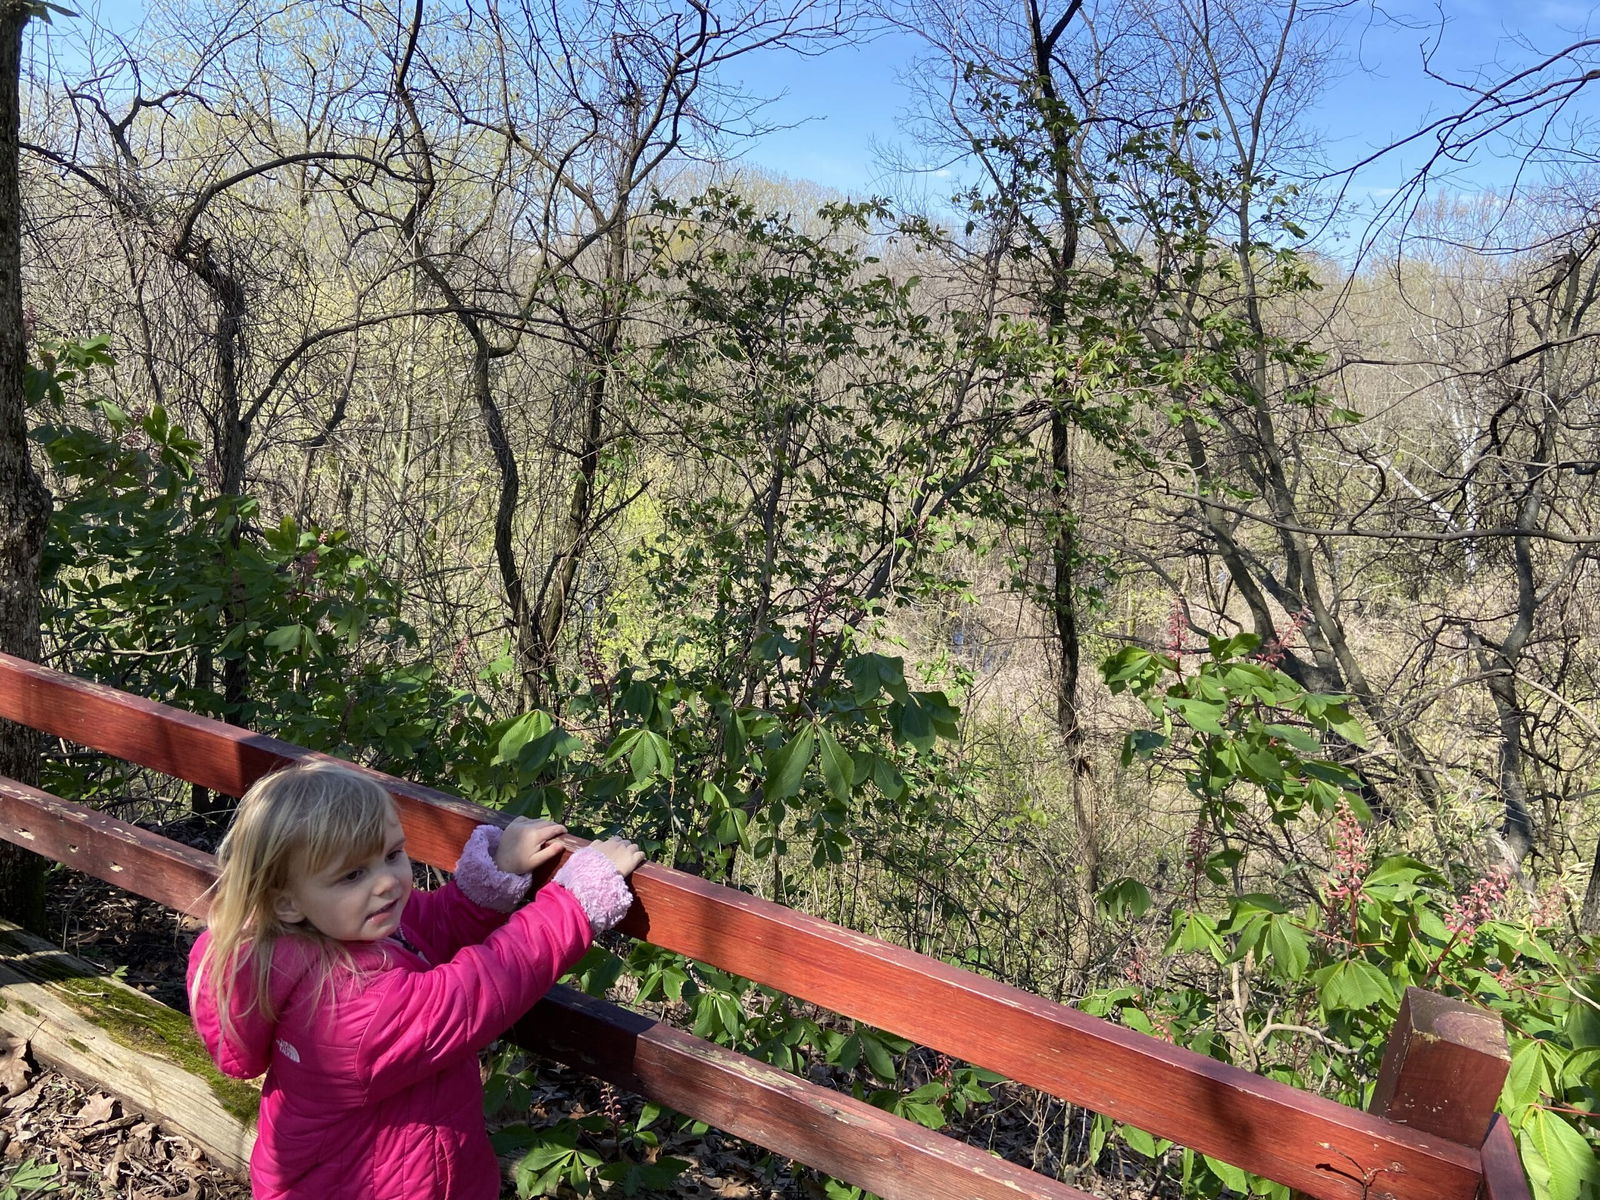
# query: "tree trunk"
[[230, 443], [1589, 918], [24, 500], [524, 631], [1064, 606], [598, 363], [1060, 248]]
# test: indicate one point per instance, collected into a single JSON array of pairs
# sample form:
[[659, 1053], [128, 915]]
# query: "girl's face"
[[359, 901]]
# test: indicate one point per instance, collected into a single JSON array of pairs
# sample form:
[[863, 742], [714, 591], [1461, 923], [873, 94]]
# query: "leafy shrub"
[[1303, 983]]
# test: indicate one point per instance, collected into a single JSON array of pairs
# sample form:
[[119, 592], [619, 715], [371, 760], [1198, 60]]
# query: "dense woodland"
[[1131, 576]]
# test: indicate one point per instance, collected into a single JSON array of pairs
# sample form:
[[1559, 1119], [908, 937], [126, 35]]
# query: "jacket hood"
[[242, 1046]]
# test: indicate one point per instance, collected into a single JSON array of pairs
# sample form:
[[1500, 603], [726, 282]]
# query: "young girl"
[[366, 1003]]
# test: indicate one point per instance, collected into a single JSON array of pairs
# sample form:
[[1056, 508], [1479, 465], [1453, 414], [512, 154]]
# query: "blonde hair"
[[302, 820]]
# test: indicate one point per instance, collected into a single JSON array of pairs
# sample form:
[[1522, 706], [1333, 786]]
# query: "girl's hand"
[[527, 844], [622, 853]]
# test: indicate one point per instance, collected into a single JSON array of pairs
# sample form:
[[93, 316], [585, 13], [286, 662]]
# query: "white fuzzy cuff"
[[598, 886]]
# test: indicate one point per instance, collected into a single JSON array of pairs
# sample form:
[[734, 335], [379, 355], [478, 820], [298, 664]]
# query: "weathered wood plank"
[[104, 1032], [801, 1120], [1309, 1143]]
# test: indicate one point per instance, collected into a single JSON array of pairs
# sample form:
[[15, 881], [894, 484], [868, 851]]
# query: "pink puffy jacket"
[[373, 1089]]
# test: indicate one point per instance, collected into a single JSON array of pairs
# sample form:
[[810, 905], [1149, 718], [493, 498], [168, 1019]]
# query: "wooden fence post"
[[1443, 1068], [1442, 1072]]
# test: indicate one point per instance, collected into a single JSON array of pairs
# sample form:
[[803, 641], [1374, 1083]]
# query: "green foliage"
[[1340, 961], [734, 790], [601, 1153], [30, 1178], [1237, 726], [843, 441], [702, 779], [154, 585]]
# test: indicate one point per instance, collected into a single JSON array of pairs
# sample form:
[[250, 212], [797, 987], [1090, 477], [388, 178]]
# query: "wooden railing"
[[1443, 1072]]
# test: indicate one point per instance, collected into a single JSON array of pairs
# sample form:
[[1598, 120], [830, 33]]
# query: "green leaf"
[[1097, 1136], [879, 1061], [1202, 715], [1132, 666], [519, 733], [887, 779], [1398, 876], [651, 756], [1296, 738], [1261, 764], [29, 1176], [1138, 1020], [289, 639], [1353, 986], [861, 672], [1233, 647], [1193, 931], [1558, 1158], [1233, 1178], [786, 766], [1142, 743], [1338, 719], [838, 769], [1124, 897], [1257, 902], [639, 700], [1529, 1076], [1289, 947], [1582, 1024], [1139, 1141], [1579, 1066], [912, 723]]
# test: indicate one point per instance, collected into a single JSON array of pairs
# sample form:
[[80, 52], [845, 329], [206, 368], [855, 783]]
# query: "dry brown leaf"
[[113, 1168], [97, 1108], [14, 1068], [18, 1105]]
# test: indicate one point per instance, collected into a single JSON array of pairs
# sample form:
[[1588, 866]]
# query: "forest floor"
[[98, 1150], [87, 1146]]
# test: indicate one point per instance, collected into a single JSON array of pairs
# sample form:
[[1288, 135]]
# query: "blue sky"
[[844, 102], [839, 106]]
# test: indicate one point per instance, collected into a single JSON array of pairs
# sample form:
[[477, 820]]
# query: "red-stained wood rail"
[[1314, 1145]]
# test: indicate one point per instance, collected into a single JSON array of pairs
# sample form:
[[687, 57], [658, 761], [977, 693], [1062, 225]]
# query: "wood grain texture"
[[833, 1132], [1503, 1176], [134, 859], [1314, 1145], [1269, 1128], [1443, 1068], [100, 1030]]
